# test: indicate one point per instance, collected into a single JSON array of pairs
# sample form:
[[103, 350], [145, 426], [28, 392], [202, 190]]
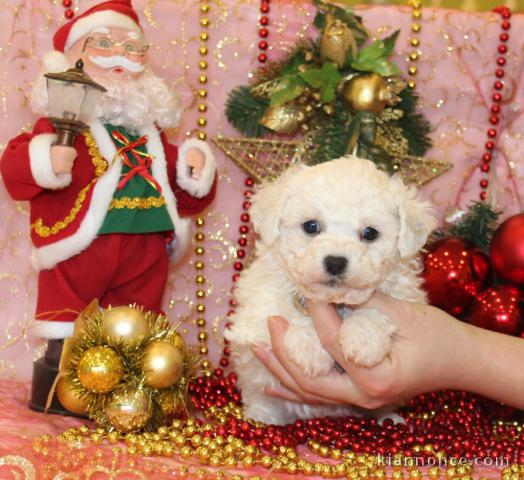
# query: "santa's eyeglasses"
[[106, 44]]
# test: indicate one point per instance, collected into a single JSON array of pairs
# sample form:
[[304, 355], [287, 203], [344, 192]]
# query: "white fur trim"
[[159, 170], [55, 62], [51, 330], [48, 256], [200, 187], [41, 165], [104, 18]]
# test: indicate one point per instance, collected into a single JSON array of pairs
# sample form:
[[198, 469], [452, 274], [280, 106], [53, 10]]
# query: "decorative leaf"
[[325, 79], [389, 43], [293, 63], [313, 77], [320, 21], [289, 88], [478, 225], [386, 68], [372, 58], [244, 111], [415, 127]]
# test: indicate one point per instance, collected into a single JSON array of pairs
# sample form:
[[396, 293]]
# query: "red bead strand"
[[69, 12], [498, 87]]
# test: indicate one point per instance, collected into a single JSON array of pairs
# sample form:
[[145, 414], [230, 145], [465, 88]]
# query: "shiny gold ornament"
[[124, 324], [171, 405], [162, 365], [336, 41], [367, 92], [282, 118], [129, 410], [177, 341], [100, 369], [69, 398]]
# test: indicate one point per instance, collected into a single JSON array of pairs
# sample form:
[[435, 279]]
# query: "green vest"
[[137, 206]]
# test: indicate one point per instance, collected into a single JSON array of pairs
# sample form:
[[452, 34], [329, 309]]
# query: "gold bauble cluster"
[[119, 362]]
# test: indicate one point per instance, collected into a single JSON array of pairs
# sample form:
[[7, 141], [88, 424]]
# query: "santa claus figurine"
[[104, 210]]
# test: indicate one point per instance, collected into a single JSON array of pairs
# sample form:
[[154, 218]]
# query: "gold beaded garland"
[[416, 27]]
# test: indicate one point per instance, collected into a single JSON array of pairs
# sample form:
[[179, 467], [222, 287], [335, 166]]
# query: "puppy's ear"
[[417, 220], [268, 203]]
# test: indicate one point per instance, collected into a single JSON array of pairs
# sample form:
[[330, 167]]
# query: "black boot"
[[45, 370]]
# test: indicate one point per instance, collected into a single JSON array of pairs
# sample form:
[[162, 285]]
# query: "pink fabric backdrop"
[[454, 80]]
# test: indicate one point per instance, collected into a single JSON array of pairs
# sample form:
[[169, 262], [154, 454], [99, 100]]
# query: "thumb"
[[378, 301]]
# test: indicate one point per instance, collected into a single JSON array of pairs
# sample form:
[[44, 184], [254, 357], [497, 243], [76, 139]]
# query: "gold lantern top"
[[73, 97]]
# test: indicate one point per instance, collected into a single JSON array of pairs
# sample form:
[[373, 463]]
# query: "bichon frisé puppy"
[[334, 232]]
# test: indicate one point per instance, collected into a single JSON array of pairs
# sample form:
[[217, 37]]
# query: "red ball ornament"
[[497, 308], [507, 250], [454, 272]]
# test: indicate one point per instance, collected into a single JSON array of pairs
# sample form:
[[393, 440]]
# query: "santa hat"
[[113, 13]]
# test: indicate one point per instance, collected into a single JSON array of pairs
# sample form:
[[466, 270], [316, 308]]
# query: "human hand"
[[196, 160], [425, 354], [62, 158]]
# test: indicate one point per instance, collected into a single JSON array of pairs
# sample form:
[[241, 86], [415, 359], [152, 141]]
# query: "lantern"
[[73, 96]]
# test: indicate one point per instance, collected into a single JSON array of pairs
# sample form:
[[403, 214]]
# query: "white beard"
[[131, 103]]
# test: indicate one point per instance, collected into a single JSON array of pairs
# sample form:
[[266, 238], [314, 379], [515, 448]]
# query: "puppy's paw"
[[365, 337], [304, 348]]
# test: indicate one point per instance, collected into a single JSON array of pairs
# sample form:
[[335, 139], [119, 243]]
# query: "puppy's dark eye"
[[311, 227], [369, 234]]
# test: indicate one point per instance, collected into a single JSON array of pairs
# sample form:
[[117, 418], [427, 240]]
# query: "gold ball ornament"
[[178, 341], [100, 369], [129, 410], [124, 324], [163, 364], [69, 398], [282, 118], [367, 92], [171, 405]]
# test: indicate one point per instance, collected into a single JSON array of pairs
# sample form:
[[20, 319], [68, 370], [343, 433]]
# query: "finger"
[[290, 396], [327, 323], [387, 305], [333, 386], [274, 366]]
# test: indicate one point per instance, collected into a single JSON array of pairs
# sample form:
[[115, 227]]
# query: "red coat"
[[67, 210]]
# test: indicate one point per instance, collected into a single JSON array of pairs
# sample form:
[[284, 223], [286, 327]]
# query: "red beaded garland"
[[456, 423], [498, 86]]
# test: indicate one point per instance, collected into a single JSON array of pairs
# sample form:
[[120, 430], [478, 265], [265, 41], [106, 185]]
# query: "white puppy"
[[335, 232]]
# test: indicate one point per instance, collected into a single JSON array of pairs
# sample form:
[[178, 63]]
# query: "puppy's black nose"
[[335, 265]]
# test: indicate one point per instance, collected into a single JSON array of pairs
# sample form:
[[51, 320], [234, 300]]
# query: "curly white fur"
[[345, 196]]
